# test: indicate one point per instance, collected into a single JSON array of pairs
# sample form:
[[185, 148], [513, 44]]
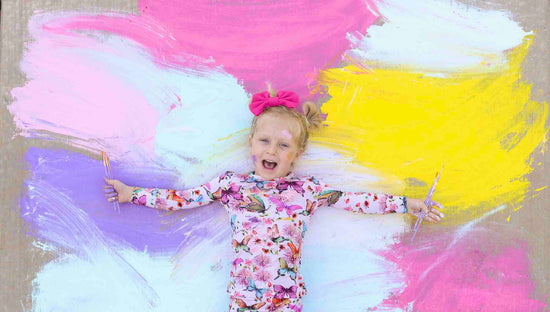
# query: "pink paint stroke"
[[475, 274], [72, 91], [283, 42]]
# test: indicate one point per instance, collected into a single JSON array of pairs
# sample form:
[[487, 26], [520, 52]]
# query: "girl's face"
[[273, 146]]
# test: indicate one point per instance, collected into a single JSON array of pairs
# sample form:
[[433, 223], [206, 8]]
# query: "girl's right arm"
[[166, 199]]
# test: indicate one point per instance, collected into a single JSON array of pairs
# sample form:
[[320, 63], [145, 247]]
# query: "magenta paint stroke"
[[255, 42], [475, 271], [63, 187]]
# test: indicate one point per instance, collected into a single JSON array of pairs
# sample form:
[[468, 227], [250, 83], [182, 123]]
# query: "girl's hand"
[[415, 206], [116, 190]]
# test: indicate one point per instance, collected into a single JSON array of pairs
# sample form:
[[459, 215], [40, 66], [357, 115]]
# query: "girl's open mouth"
[[270, 165]]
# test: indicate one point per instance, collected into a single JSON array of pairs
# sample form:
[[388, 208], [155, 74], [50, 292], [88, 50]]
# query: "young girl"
[[270, 206]]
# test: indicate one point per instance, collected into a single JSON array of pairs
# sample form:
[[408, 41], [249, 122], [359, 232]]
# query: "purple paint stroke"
[[58, 177]]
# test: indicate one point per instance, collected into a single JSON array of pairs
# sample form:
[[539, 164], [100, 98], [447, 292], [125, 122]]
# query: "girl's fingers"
[[433, 219], [110, 190], [107, 188], [426, 210], [438, 205], [436, 215]]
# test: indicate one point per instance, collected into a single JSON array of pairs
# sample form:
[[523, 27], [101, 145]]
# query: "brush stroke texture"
[[460, 271], [182, 76], [455, 37], [189, 250], [482, 126]]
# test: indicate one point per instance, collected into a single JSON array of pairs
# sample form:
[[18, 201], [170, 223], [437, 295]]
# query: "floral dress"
[[269, 219]]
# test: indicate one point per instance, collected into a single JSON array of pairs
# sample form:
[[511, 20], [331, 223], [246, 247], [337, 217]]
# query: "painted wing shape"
[[330, 197], [256, 204]]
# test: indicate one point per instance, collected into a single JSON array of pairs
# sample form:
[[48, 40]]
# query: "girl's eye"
[[264, 140], [284, 145]]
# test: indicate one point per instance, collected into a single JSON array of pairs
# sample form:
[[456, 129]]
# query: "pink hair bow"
[[261, 101]]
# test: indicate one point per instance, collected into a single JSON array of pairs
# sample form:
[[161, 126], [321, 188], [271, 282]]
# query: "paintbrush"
[[428, 202], [109, 175]]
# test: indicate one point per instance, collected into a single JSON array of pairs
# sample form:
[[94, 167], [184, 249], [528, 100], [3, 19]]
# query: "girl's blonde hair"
[[310, 119]]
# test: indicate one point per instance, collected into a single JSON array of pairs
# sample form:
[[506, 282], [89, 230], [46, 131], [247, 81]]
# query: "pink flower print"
[[248, 262], [263, 276], [242, 277], [289, 257], [236, 262], [290, 197], [262, 260], [160, 203], [255, 250], [292, 231], [142, 200]]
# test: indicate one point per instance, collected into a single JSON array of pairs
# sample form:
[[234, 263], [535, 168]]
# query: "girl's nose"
[[271, 149]]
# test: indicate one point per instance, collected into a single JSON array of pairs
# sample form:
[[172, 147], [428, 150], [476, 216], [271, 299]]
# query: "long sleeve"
[[363, 202], [168, 199]]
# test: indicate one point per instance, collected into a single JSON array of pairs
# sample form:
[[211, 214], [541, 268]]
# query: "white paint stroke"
[[438, 35]]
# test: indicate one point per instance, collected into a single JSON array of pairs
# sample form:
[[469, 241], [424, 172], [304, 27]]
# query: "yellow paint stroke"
[[481, 124]]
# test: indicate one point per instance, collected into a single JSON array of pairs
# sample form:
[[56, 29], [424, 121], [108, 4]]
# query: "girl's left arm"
[[363, 202], [368, 202]]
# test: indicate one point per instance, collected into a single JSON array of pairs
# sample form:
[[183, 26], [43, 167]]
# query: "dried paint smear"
[[165, 94]]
